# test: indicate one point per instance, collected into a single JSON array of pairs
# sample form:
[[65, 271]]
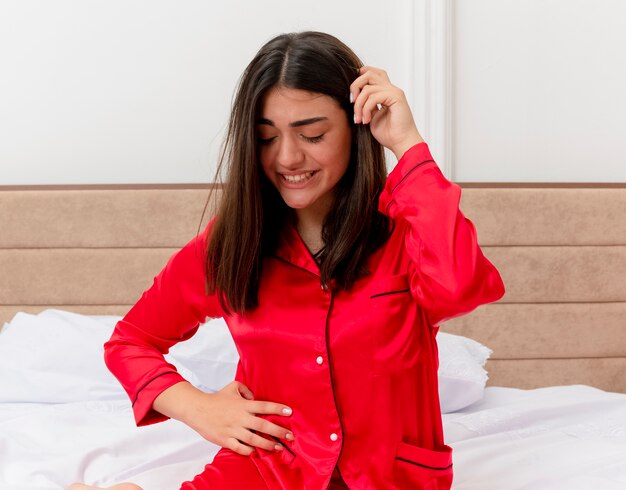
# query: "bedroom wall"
[[138, 91], [538, 90]]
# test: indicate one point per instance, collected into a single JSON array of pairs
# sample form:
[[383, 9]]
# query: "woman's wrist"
[[177, 401], [406, 144]]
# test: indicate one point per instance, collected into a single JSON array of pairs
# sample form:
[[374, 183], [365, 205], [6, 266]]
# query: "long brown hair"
[[252, 213]]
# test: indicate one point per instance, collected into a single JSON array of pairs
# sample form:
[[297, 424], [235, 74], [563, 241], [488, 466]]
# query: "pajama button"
[[320, 360], [334, 437]]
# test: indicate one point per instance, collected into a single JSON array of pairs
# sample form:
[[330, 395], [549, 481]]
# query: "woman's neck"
[[309, 223]]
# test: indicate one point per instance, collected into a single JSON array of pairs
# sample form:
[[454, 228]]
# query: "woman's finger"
[[262, 407], [371, 100], [359, 104], [249, 438], [264, 426], [269, 408], [375, 92], [244, 391], [368, 76], [371, 75], [377, 101], [238, 447]]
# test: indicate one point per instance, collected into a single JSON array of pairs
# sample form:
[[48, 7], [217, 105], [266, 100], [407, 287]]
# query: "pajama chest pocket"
[[391, 320], [416, 467], [390, 287]]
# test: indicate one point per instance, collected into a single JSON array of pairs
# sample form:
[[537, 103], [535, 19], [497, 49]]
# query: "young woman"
[[332, 277]]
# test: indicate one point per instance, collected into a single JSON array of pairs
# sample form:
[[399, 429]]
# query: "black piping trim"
[[148, 382], [319, 252], [390, 292], [289, 450], [332, 380], [425, 466], [405, 176], [409, 173], [280, 259]]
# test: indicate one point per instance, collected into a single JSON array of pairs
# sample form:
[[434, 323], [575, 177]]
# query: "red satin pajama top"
[[358, 367]]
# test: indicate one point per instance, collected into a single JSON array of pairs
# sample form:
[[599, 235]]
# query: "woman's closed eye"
[[313, 139], [265, 141], [308, 139]]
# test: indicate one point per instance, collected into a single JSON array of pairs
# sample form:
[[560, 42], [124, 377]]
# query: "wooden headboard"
[[561, 251]]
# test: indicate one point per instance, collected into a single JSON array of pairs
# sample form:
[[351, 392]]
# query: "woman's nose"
[[290, 155]]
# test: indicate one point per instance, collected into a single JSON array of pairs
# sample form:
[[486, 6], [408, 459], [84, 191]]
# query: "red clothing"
[[358, 367]]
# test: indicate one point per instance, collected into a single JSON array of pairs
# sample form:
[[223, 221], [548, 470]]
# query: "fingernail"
[[351, 98], [355, 119], [278, 447], [287, 411], [289, 436]]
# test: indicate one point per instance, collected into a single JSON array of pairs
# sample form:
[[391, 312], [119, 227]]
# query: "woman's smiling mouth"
[[298, 178]]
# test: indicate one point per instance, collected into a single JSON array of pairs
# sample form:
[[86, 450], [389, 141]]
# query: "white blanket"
[[563, 437], [568, 437], [63, 418]]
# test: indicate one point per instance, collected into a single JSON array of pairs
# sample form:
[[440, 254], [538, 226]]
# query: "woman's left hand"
[[384, 107]]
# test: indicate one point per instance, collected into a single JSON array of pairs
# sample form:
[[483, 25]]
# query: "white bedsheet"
[[564, 437], [45, 447], [63, 418], [568, 437]]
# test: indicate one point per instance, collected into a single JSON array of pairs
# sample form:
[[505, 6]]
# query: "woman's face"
[[304, 146]]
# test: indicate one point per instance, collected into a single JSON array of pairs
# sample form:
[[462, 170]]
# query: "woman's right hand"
[[227, 418]]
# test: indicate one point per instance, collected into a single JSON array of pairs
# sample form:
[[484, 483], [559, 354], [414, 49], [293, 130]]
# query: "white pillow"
[[462, 376], [57, 357], [210, 356]]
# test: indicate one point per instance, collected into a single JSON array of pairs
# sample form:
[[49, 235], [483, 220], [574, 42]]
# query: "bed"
[[533, 387]]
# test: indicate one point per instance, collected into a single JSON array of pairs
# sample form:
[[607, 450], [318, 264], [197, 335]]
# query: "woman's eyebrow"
[[295, 124]]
